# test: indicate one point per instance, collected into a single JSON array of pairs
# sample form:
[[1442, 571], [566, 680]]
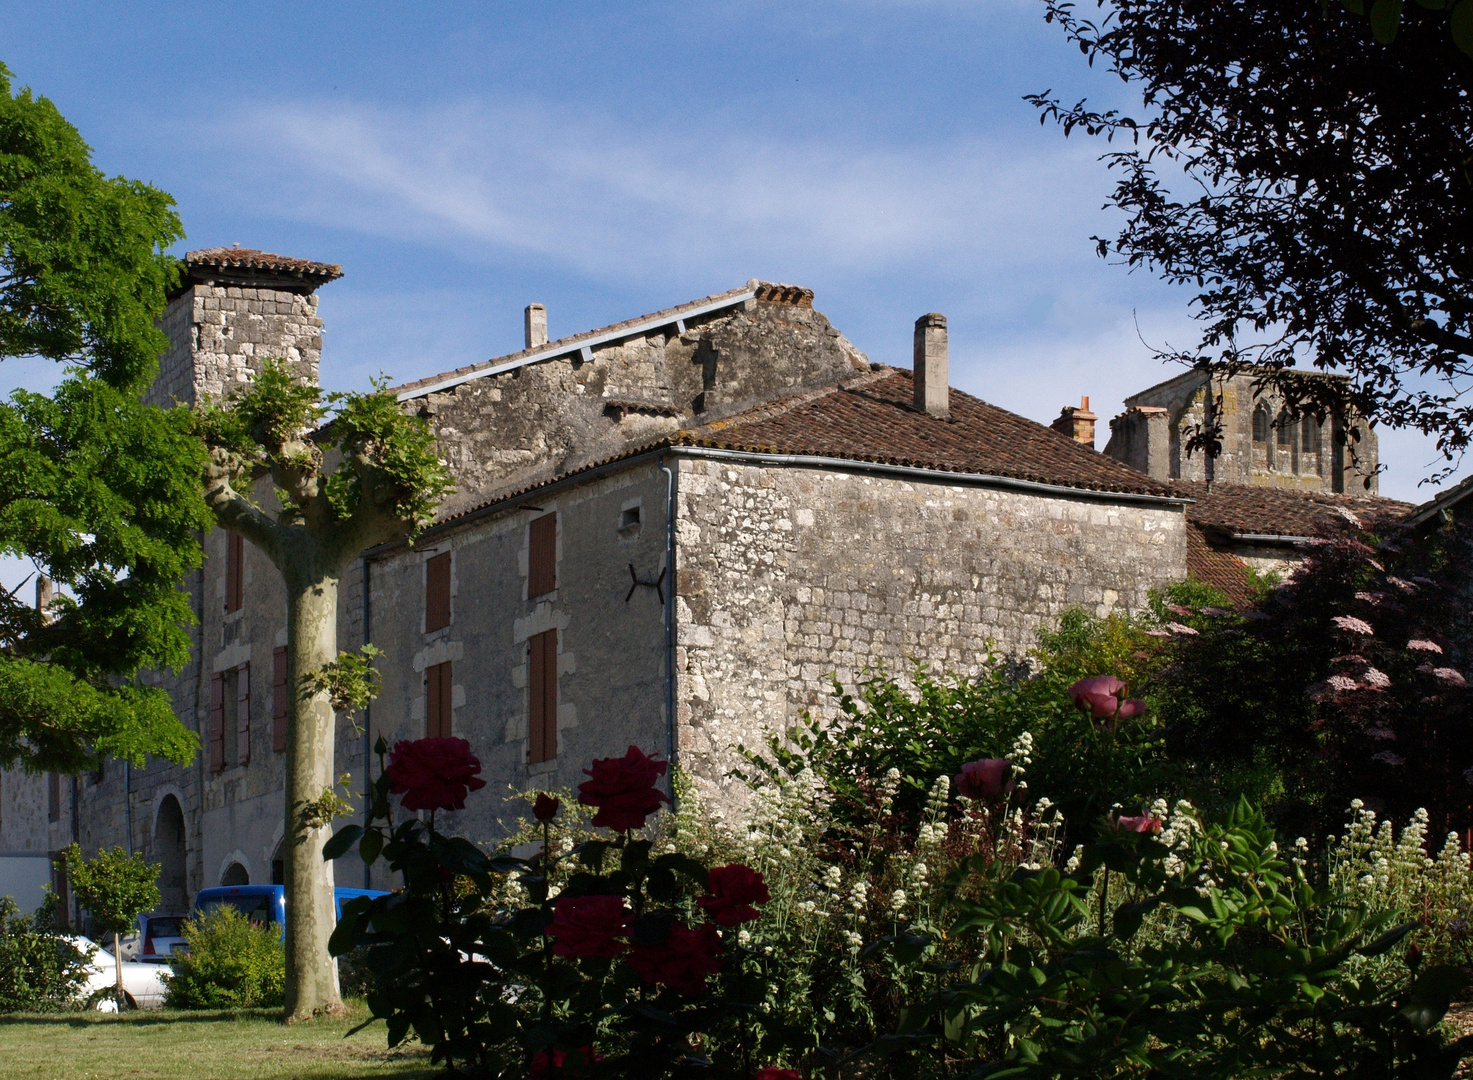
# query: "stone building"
[[670, 531]]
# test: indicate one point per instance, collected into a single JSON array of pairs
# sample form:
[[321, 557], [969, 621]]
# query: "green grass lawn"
[[200, 1046]]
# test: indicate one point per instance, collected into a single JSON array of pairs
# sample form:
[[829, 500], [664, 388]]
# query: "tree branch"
[[232, 510]]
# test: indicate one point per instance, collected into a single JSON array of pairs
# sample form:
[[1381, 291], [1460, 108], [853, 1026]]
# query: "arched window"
[[169, 851], [1310, 430], [1261, 423], [1285, 431], [235, 874]]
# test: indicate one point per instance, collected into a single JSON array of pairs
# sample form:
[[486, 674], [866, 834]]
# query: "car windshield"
[[258, 909], [165, 928]]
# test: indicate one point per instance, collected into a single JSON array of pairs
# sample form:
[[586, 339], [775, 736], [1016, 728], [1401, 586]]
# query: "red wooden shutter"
[[217, 723], [278, 699], [243, 715], [542, 556], [439, 703], [234, 571], [437, 592], [53, 796], [542, 698]]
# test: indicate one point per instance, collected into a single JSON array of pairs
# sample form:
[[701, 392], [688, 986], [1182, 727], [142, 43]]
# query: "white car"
[[142, 983]]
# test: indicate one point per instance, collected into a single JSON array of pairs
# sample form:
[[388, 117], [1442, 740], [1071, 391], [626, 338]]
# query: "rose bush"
[[623, 789], [433, 774]]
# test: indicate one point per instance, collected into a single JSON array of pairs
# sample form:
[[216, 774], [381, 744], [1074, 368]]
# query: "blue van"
[[265, 903]]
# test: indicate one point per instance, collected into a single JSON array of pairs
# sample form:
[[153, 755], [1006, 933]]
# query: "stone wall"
[[219, 333], [788, 576], [556, 414], [611, 643]]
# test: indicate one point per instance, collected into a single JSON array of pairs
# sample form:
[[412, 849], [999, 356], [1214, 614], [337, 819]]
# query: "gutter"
[[1270, 538], [583, 345]]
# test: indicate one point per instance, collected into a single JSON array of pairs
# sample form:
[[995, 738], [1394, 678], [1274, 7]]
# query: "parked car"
[[143, 984], [159, 937], [265, 903]]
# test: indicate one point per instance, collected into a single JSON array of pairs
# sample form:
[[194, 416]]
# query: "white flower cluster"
[[1178, 829]]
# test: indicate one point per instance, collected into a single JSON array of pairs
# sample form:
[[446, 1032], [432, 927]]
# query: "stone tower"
[[234, 308]]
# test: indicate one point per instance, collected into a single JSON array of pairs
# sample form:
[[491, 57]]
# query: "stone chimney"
[[1141, 438], [534, 319], [1078, 424], [45, 593], [932, 381]]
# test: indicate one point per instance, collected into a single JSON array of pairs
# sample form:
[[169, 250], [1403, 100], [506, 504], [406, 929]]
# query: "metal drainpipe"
[[128, 802], [669, 622], [367, 737]]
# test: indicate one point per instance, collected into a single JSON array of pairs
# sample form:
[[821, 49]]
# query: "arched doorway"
[[278, 866], [168, 849], [235, 874]]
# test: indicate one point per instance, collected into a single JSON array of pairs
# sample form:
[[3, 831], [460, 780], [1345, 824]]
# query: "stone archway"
[[169, 851], [235, 874]]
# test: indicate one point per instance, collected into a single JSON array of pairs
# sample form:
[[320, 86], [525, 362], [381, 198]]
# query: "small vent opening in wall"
[[629, 518]]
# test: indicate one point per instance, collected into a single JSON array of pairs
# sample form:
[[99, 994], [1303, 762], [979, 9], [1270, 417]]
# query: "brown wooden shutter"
[[439, 703], [542, 697], [437, 592], [279, 700], [53, 796], [542, 556], [243, 715], [217, 723], [234, 571]]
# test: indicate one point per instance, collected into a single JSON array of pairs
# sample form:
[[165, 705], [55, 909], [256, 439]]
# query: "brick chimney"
[[1078, 424], [535, 321], [932, 381]]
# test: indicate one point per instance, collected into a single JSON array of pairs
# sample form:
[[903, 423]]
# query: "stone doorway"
[[169, 851]]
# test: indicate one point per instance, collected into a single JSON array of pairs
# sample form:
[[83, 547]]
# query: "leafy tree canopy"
[[97, 490], [114, 887], [1323, 195]]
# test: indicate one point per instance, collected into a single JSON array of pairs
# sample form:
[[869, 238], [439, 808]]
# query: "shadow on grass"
[[154, 1017]]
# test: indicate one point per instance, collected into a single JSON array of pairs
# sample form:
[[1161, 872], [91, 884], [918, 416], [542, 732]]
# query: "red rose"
[[731, 892], [1099, 696], [624, 790], [591, 926], [683, 960], [559, 1061], [772, 1072], [434, 774], [985, 779], [546, 807], [1145, 823]]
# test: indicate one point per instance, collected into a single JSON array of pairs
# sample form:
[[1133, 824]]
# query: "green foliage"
[[1259, 982], [937, 723], [1385, 18], [114, 887], [83, 274], [99, 491], [351, 680], [231, 964], [40, 969]]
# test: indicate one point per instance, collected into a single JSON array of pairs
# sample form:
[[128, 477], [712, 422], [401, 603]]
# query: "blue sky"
[[463, 160]]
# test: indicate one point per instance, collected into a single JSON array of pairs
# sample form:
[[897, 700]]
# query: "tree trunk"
[[118, 970], [312, 631]]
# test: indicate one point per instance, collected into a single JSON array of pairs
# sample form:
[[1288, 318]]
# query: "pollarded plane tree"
[[350, 471]]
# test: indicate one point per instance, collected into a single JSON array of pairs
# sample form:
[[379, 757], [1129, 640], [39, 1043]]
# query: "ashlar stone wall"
[[789, 576]]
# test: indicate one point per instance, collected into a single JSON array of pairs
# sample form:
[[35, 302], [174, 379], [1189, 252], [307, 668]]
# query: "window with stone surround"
[[542, 556], [437, 593], [230, 717], [542, 697], [438, 701]]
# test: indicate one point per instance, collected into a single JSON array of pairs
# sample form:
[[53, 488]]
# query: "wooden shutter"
[[437, 592], [439, 704], [279, 701], [234, 571], [53, 796], [217, 723], [542, 556], [243, 714], [542, 698]]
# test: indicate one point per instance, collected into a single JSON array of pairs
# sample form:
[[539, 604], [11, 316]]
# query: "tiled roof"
[[1221, 569], [872, 419], [788, 294], [1250, 509], [249, 267]]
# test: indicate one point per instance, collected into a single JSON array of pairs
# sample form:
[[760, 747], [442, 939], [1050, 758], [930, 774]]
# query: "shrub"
[[231, 964], [40, 969]]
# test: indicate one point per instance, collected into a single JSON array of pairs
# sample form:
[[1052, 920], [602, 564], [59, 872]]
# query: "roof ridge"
[[567, 344], [770, 410]]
